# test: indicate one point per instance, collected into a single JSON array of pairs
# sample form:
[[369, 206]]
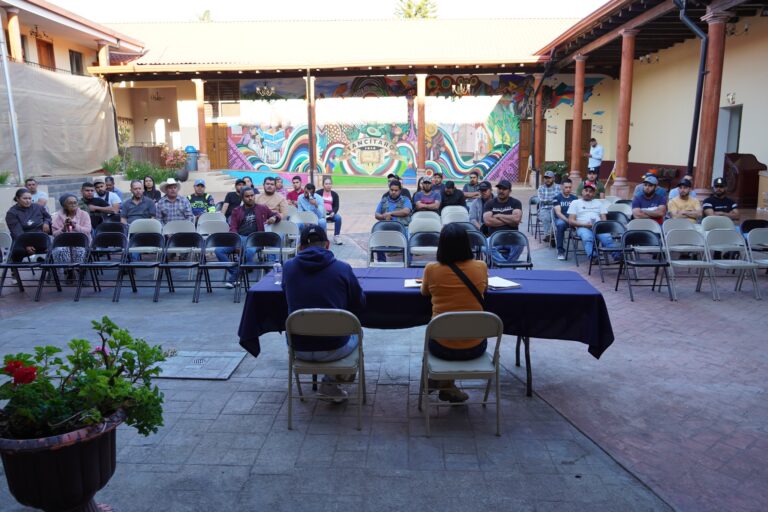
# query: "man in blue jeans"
[[503, 213], [583, 213], [562, 201], [247, 218]]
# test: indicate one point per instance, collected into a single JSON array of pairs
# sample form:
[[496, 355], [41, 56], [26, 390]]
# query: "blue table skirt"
[[549, 304]]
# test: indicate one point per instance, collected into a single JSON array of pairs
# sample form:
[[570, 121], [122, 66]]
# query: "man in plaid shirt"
[[547, 193], [172, 206]]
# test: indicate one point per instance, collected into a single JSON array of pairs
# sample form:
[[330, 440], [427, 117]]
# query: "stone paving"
[[673, 416]]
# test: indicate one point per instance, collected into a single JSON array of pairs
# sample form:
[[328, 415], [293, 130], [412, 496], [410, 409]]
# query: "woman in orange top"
[[449, 293]]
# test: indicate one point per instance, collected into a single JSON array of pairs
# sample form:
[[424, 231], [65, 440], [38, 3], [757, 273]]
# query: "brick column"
[[14, 34], [620, 186], [103, 53], [538, 131], [578, 111], [710, 101], [202, 138], [421, 124]]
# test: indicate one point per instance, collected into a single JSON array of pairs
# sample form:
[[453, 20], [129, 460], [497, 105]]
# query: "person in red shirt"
[[293, 196]]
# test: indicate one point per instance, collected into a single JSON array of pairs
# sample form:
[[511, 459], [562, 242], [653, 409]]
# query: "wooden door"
[[586, 134], [45, 56], [524, 148], [217, 145]]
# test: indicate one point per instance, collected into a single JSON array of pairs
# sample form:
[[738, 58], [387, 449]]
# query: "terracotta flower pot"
[[64, 472]]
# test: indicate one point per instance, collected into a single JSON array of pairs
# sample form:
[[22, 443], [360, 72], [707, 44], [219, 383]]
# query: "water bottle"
[[277, 272]]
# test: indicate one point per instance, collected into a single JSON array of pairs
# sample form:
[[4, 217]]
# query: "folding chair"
[[289, 233], [646, 225], [145, 226], [111, 227], [618, 217], [324, 322], [757, 245], [387, 241], [572, 237], [479, 245], [510, 237], [5, 245], [389, 225], [209, 227], [423, 244], [184, 243], [429, 222], [643, 249], [291, 211], [624, 201], [216, 216], [716, 222], [678, 224], [178, 226], [68, 241], [690, 241], [428, 215], [454, 214], [462, 325], [618, 206], [149, 244], [262, 242], [106, 243], [533, 216], [750, 224], [304, 218], [616, 230], [15, 260], [216, 241], [730, 241]]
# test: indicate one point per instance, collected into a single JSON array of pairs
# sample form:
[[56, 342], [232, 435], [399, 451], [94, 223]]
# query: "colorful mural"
[[563, 93], [377, 149]]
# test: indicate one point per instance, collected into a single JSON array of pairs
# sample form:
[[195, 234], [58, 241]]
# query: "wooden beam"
[[635, 23]]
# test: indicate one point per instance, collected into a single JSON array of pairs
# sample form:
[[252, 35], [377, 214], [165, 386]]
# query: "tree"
[[416, 9]]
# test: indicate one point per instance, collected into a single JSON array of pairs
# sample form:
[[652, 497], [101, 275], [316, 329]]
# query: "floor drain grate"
[[198, 361]]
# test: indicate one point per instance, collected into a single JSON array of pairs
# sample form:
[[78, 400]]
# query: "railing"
[[49, 68]]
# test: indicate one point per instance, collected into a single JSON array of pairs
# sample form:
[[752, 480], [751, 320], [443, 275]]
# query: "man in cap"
[[592, 178], [547, 193], [316, 279], [233, 199], [719, 204], [452, 196], [583, 213], [676, 191], [246, 219], [562, 202], [110, 197], [172, 206], [649, 205], [683, 206], [138, 206], [500, 213], [476, 209], [427, 199], [200, 201], [403, 191], [660, 191]]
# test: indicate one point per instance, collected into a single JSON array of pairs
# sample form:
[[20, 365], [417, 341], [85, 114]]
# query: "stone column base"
[[620, 188]]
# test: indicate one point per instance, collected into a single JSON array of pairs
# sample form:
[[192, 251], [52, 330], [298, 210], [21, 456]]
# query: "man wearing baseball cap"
[[660, 191], [649, 205], [503, 212], [719, 204], [547, 193], [316, 279], [476, 208], [683, 206], [200, 201], [427, 199], [592, 178], [583, 213]]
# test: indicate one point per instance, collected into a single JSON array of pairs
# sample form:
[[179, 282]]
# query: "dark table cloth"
[[549, 304]]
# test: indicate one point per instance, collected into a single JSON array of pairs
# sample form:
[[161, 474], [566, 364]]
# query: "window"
[[76, 62]]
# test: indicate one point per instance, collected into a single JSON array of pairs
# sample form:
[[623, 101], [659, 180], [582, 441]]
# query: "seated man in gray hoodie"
[[316, 279]]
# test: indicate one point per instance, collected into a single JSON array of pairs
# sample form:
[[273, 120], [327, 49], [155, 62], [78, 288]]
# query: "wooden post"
[[14, 34], [311, 128], [103, 53], [710, 101], [200, 101], [620, 186], [578, 110], [421, 124]]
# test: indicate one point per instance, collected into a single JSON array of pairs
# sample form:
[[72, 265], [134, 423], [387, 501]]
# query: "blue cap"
[[199, 181]]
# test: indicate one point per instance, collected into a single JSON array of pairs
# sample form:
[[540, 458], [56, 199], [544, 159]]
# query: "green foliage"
[[49, 394], [5, 177], [112, 166], [416, 9], [137, 171], [559, 168]]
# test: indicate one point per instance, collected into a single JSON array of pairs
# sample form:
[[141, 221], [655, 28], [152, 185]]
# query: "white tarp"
[[66, 122]]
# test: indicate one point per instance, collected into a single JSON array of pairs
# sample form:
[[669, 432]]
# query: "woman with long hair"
[[150, 190], [450, 293], [26, 217]]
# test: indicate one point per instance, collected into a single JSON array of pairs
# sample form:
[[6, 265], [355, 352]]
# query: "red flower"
[[12, 367], [25, 375]]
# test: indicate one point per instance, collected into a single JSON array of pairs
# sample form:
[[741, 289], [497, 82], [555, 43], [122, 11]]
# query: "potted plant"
[[175, 159], [57, 428]]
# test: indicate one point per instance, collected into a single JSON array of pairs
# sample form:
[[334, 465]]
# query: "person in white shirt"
[[583, 213], [111, 198], [595, 156], [38, 196]]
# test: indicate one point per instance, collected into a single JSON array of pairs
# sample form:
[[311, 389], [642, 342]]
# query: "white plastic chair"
[[692, 242], [731, 241], [324, 322], [387, 241], [462, 325], [716, 222], [623, 208]]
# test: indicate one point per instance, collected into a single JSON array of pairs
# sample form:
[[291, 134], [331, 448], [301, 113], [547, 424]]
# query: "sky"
[[112, 11]]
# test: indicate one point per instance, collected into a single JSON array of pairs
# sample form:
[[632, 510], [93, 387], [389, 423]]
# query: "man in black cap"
[[316, 279], [649, 205], [683, 206], [503, 212], [719, 204], [427, 199], [476, 208], [452, 196], [403, 191]]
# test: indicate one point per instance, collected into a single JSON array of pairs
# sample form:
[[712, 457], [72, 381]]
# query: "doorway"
[[728, 133], [586, 134], [525, 147], [45, 56], [217, 145]]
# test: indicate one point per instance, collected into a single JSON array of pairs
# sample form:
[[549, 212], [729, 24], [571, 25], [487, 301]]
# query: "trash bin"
[[192, 155]]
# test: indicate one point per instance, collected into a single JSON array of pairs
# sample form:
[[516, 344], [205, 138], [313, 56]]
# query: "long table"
[[550, 304]]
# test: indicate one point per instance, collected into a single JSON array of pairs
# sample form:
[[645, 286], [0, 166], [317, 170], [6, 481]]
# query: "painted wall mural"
[[554, 95], [377, 149]]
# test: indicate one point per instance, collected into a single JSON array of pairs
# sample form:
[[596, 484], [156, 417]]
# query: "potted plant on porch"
[[57, 428]]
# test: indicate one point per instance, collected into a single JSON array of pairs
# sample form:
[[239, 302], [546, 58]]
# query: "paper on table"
[[498, 283], [412, 283]]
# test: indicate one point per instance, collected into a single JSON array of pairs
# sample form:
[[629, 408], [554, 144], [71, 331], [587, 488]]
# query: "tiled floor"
[[672, 416]]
